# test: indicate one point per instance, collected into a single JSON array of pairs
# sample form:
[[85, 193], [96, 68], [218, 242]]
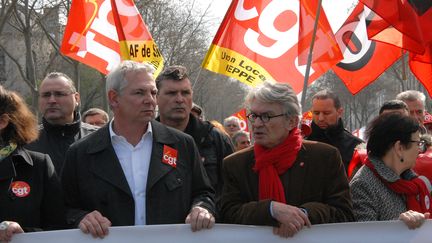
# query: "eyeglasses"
[[264, 117], [421, 145], [56, 94]]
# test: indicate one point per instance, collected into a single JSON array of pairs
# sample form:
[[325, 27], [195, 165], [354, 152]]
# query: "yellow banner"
[[233, 64], [142, 51]]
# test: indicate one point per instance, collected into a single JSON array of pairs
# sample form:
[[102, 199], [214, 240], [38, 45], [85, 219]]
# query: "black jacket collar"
[[69, 129], [330, 132], [197, 129], [7, 166]]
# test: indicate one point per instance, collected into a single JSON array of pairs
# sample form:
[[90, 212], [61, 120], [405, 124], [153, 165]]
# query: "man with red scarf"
[[283, 181]]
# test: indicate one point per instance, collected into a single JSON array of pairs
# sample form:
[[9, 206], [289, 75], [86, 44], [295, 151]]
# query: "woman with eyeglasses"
[[30, 192], [385, 187]]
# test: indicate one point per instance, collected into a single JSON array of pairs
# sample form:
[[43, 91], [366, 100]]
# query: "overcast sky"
[[218, 9], [336, 15]]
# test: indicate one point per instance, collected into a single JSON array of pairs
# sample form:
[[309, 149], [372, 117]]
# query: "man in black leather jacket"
[[61, 123], [327, 125], [175, 104]]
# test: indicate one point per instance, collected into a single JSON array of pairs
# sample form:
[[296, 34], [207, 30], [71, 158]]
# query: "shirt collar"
[[113, 135]]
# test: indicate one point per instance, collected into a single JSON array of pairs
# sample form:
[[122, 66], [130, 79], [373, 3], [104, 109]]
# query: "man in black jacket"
[[327, 125], [134, 170], [61, 122], [175, 104]]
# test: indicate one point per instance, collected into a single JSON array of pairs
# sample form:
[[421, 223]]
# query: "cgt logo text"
[[20, 188], [170, 160], [169, 156]]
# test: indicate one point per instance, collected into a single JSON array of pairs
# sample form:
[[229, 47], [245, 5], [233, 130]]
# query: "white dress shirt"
[[135, 163]]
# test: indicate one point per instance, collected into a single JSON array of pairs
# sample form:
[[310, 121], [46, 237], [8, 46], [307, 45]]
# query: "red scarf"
[[270, 163], [415, 191]]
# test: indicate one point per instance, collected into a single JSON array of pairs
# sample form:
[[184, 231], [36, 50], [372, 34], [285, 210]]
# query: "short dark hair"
[[54, 75], [327, 94], [386, 129], [175, 72], [95, 111], [393, 105]]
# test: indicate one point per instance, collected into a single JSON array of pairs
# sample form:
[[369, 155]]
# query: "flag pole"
[[309, 61], [404, 77], [196, 79]]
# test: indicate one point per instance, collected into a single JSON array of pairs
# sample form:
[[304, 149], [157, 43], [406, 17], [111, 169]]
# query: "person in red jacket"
[[423, 164]]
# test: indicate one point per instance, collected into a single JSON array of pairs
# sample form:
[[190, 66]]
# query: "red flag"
[[241, 114], [407, 23], [258, 41], [91, 34], [136, 42], [326, 52], [363, 59], [421, 67], [408, 20]]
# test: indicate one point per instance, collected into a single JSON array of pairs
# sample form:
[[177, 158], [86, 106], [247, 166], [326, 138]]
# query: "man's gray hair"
[[230, 119], [239, 134], [412, 95], [280, 93], [116, 80]]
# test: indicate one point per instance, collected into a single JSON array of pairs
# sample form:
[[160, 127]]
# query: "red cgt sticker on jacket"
[[20, 188], [169, 156]]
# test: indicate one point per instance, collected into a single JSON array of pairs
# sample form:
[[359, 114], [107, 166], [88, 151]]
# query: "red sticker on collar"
[[20, 188], [169, 156]]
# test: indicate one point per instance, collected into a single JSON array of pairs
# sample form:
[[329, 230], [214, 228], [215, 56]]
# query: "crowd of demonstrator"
[[92, 173]]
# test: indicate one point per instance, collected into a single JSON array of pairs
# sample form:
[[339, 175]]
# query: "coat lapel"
[[105, 163], [296, 176], [161, 136]]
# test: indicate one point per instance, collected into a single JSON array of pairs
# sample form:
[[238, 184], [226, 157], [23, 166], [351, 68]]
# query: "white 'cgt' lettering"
[[102, 26], [169, 159], [284, 40]]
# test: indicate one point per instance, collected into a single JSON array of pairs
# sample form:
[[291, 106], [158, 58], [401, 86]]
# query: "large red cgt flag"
[[364, 60], [259, 40], [100, 33]]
